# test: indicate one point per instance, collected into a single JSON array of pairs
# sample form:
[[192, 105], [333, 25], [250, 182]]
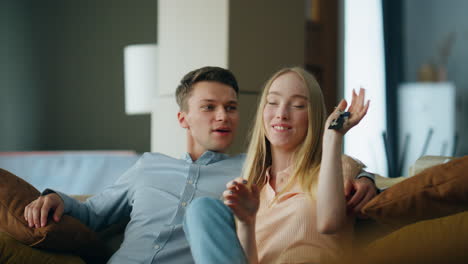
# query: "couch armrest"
[[425, 162], [418, 166], [384, 182]]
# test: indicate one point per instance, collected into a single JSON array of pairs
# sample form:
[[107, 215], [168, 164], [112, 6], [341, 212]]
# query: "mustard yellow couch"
[[434, 240]]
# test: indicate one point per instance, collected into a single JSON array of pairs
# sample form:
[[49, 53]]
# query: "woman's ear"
[[181, 117]]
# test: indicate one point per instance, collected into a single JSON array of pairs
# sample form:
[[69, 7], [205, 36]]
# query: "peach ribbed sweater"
[[286, 229]]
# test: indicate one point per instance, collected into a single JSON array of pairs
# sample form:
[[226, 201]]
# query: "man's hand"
[[37, 211], [244, 202], [358, 193]]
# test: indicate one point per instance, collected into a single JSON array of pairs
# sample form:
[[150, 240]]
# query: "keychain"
[[337, 124]]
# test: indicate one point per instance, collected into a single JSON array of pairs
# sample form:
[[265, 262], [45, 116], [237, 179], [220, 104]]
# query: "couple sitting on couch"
[[294, 200]]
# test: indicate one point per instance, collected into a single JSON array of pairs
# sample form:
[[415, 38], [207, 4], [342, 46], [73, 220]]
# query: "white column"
[[251, 38], [167, 136], [191, 34]]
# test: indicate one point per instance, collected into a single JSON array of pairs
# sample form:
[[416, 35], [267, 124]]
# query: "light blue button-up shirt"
[[154, 193]]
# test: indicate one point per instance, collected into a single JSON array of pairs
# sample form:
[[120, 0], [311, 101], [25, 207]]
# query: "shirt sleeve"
[[367, 174], [105, 208]]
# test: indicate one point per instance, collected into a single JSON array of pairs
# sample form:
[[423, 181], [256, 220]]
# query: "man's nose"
[[221, 114]]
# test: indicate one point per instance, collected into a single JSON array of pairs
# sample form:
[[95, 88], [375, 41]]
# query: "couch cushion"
[[435, 192], [13, 252], [440, 240], [68, 235]]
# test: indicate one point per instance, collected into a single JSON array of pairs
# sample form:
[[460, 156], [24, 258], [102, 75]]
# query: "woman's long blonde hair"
[[307, 156]]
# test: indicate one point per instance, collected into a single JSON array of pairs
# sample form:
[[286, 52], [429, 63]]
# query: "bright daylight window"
[[364, 65]]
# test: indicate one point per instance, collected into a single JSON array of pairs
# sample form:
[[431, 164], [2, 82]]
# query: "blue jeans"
[[211, 232]]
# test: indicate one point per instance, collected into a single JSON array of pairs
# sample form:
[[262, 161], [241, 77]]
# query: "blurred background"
[[62, 74], [62, 71]]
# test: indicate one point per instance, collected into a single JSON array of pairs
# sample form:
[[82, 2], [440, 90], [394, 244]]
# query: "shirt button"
[[184, 204], [190, 182], [156, 247]]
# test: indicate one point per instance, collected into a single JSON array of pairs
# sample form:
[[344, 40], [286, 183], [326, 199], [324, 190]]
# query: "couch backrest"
[[72, 172]]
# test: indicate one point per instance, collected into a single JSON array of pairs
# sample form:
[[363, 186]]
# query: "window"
[[364, 65]]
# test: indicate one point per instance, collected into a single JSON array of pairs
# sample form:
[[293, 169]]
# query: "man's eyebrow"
[[294, 95], [212, 101]]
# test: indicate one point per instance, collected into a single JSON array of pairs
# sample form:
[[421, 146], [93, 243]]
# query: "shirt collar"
[[206, 158], [270, 194], [281, 175]]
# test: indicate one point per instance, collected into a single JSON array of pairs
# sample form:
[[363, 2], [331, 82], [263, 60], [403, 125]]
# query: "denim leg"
[[211, 232]]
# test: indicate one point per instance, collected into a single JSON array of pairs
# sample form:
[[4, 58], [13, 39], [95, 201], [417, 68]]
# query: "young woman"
[[290, 204]]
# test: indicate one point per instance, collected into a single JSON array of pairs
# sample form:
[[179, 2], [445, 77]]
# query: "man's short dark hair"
[[209, 73]]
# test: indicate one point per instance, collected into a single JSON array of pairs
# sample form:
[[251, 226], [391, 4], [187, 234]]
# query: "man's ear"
[[182, 121]]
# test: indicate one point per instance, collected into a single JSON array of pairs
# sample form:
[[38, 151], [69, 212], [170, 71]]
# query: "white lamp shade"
[[140, 77]]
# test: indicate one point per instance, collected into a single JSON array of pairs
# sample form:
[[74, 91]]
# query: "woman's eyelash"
[[299, 106]]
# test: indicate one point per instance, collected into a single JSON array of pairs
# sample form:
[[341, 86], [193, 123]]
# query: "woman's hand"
[[244, 202], [331, 208], [357, 111]]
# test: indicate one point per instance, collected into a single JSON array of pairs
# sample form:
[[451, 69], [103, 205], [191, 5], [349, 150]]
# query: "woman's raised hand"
[[343, 122], [242, 200]]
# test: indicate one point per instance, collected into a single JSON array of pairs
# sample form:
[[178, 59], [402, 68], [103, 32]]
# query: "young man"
[[156, 190]]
